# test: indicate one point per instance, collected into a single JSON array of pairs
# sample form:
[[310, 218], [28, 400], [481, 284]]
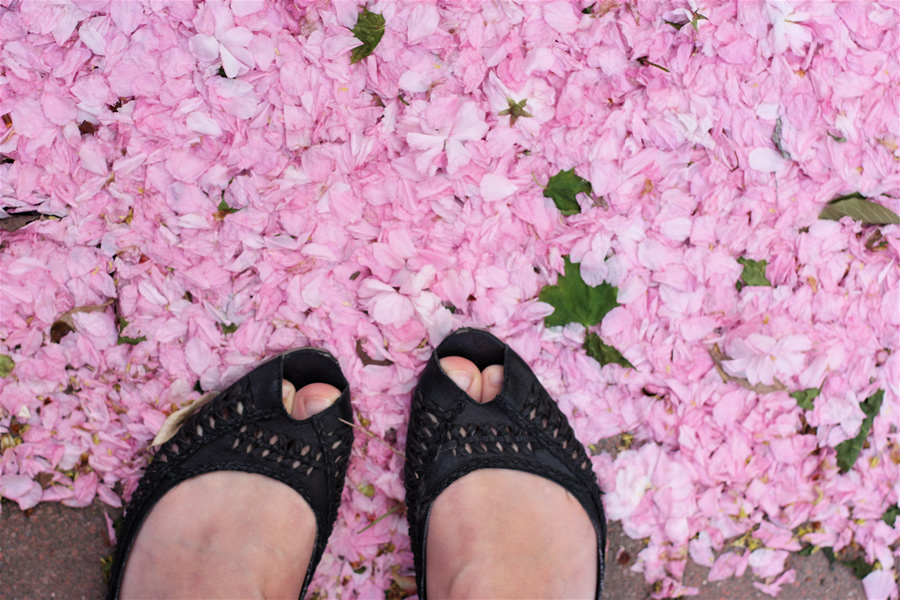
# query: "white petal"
[[496, 187], [457, 156], [230, 64], [412, 81], [767, 160], [204, 47], [423, 141], [203, 123]]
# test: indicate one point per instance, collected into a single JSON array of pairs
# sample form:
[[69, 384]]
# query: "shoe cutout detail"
[[246, 428]]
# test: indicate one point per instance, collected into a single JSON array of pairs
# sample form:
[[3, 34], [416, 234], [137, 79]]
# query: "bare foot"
[[497, 533], [197, 541]]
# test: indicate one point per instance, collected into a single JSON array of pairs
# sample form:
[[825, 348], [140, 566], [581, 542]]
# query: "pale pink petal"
[[538, 59], [496, 187], [242, 8], [423, 21], [92, 159], [767, 160], [58, 109], [203, 123], [470, 123], [127, 14], [561, 17], [880, 584], [198, 355], [204, 47]]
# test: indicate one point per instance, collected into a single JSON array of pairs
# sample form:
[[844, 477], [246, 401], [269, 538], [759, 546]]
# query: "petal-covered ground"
[[224, 181]]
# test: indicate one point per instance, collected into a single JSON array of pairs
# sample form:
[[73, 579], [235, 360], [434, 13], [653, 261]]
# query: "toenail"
[[318, 398], [496, 378], [316, 403], [461, 378]]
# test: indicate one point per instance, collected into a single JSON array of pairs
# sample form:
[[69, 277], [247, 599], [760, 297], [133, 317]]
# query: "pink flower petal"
[[496, 187], [561, 17]]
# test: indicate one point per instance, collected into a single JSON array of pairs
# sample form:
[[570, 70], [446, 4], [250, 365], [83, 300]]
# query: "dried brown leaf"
[[368, 360], [175, 420]]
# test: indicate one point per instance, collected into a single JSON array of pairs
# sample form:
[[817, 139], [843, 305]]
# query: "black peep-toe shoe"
[[451, 435], [247, 428]]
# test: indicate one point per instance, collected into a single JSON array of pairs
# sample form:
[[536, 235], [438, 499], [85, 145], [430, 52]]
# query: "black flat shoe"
[[451, 435], [246, 428]]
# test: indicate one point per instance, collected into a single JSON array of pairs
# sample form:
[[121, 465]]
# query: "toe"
[[314, 398], [288, 392], [491, 382], [464, 373]]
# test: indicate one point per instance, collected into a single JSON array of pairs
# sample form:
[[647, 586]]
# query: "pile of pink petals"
[[224, 165]]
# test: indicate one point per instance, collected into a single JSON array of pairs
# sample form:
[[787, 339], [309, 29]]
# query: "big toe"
[[464, 373], [311, 399]]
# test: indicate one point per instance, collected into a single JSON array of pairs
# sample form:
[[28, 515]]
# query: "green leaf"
[[754, 273], [642, 60], [369, 30], [859, 209], [515, 110], [390, 511], [890, 515], [230, 328], [563, 187], [224, 208], [697, 18], [7, 364], [124, 339], [848, 450], [575, 301], [677, 26], [776, 139], [807, 550], [602, 353], [805, 398], [860, 567], [588, 10], [106, 563], [839, 139], [847, 197], [360, 570]]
